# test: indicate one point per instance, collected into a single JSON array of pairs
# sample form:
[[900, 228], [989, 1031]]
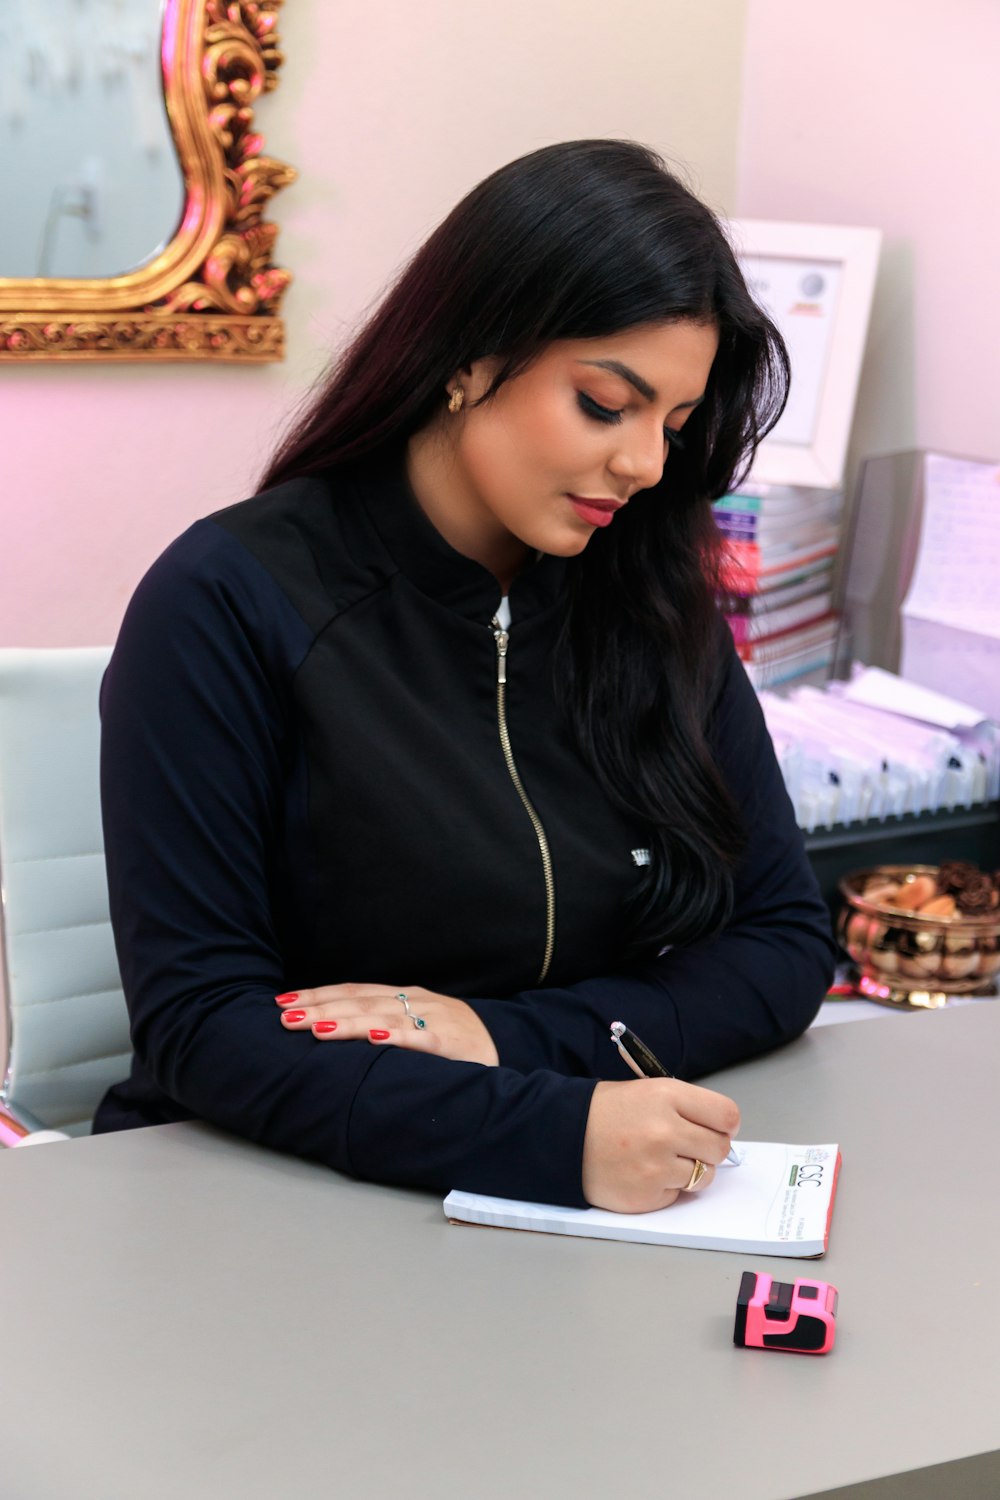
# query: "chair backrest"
[[64, 1034]]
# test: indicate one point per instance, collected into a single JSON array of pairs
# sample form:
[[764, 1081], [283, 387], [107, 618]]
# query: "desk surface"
[[185, 1314]]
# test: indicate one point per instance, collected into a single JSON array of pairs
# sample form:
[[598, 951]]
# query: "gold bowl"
[[912, 958]]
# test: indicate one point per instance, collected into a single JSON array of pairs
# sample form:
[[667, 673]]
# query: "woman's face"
[[562, 447]]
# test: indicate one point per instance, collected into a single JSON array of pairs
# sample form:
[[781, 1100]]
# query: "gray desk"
[[185, 1315]]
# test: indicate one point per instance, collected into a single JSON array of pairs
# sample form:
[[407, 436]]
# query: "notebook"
[[777, 1202]]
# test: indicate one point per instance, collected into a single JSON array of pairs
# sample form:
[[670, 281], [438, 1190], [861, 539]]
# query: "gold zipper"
[[502, 639]]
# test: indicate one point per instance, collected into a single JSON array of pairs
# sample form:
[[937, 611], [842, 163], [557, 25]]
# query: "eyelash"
[[600, 413]]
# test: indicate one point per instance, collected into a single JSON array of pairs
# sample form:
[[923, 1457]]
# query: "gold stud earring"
[[457, 397]]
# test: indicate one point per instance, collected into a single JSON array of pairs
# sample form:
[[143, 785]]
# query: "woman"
[[454, 833]]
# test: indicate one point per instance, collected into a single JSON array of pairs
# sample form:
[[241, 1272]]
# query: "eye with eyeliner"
[[609, 415]]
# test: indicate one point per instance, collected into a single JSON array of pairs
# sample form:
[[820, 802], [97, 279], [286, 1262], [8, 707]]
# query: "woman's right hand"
[[643, 1139]]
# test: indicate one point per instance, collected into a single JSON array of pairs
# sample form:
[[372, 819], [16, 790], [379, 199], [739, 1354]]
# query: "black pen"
[[646, 1064]]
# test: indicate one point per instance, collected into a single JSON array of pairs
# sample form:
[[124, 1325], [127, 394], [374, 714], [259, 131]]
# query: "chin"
[[574, 539], [561, 543]]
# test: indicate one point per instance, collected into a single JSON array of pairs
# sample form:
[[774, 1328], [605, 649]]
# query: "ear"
[[476, 378]]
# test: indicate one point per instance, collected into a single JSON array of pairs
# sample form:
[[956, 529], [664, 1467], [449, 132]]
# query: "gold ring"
[[697, 1173]]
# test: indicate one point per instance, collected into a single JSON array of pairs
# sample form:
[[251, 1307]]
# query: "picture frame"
[[817, 282]]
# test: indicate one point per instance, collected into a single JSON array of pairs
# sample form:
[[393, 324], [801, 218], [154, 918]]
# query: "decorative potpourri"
[[920, 933]]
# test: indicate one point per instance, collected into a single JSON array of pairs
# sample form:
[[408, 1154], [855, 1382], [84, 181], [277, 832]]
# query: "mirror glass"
[[91, 183]]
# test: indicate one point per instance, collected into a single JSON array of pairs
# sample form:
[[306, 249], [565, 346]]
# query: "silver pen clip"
[[618, 1030]]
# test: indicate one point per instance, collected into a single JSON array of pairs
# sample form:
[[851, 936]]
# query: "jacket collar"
[[421, 553]]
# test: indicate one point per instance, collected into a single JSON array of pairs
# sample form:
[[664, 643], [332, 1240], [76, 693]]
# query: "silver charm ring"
[[418, 1021]]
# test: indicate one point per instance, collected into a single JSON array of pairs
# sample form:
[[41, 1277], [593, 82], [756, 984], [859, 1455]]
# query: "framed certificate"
[[816, 281]]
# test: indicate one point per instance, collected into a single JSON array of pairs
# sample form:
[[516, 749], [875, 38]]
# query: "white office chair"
[[64, 1035]]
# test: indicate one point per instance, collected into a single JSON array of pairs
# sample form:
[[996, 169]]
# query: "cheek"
[[534, 444], [505, 451], [492, 460]]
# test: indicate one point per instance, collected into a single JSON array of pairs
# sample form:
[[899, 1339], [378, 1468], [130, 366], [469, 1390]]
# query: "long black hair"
[[575, 241]]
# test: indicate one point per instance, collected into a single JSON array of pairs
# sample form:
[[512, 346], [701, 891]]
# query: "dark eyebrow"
[[642, 386]]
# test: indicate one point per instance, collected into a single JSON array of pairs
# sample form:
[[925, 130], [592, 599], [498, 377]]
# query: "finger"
[[346, 996], [407, 1038], [695, 1142], [703, 1181], [644, 1203], [375, 1009], [295, 1020], [706, 1107], [383, 1030], [348, 1028]]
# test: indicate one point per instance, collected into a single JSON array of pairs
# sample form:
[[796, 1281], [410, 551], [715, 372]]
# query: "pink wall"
[[390, 111], [888, 114], [103, 466], [860, 113]]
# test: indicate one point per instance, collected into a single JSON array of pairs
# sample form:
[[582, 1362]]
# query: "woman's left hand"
[[376, 1013]]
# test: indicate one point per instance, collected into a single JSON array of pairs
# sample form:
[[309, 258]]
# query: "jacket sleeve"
[[756, 985], [195, 713]]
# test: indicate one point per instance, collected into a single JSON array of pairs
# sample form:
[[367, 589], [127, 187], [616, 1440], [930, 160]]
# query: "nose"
[[639, 456]]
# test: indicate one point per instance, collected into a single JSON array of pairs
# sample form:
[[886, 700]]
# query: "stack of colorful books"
[[780, 546]]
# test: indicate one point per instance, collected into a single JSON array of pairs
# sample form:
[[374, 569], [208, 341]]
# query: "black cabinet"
[[917, 838]]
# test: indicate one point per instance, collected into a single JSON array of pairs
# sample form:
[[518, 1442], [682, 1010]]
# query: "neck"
[[450, 503]]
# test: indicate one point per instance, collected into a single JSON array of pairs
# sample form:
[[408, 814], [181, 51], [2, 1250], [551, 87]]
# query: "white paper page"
[[961, 660], [879, 689], [776, 1203], [956, 577]]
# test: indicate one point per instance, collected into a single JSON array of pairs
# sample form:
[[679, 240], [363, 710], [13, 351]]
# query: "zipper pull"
[[502, 638]]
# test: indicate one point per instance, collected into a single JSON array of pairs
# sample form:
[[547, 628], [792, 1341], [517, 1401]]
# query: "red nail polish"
[[324, 1028], [379, 1036], [295, 1015], [287, 999]]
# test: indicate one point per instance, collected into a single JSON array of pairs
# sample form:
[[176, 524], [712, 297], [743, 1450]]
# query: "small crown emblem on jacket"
[[641, 857]]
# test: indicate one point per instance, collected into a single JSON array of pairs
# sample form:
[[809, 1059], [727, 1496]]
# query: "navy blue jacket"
[[303, 784]]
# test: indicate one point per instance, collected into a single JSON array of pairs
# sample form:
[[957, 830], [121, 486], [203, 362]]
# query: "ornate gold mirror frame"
[[212, 292]]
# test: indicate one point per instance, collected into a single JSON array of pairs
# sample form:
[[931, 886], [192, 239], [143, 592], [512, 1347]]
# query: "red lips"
[[595, 512], [599, 504]]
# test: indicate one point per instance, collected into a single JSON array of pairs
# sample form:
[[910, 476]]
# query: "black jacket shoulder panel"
[[315, 538]]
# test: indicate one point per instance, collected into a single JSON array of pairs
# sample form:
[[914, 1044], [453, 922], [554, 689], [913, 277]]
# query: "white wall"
[[390, 111], [887, 112]]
